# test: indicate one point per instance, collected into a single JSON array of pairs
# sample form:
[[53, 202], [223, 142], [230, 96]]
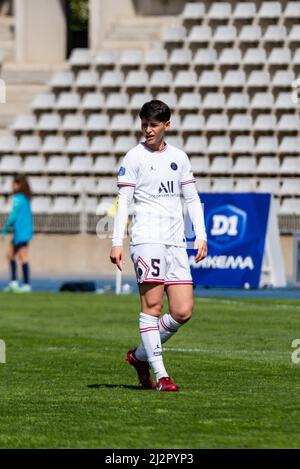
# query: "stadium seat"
[[290, 186], [136, 79], [24, 123], [161, 79], [245, 185], [280, 56], [63, 205], [205, 57], [269, 185], [104, 164], [214, 101], [294, 35], [234, 79], [222, 185], [225, 34], [41, 204], [83, 185], [250, 34], [219, 11], [275, 34], [34, 164], [244, 165], [200, 164], [57, 164], [203, 184], [265, 122], [49, 122], [53, 144], [193, 11], [244, 11], [255, 56], [106, 58], [259, 79], [123, 144], [290, 165], [269, 10], [175, 140], [180, 57], [266, 145], [268, 165], [80, 58], [199, 35], [221, 165], [101, 145], [93, 102], [10, 164], [189, 102], [174, 35], [219, 145], [68, 102], [117, 101], [81, 165], [138, 99], [283, 79], [60, 185], [192, 123], [238, 101], [185, 79], [77, 145], [39, 184], [290, 206], [131, 58], [121, 123], [195, 145], [156, 58], [61, 80], [29, 144], [8, 143], [106, 185], [86, 79], [175, 124], [262, 100], [243, 145], [210, 79], [88, 205], [217, 123], [289, 145], [111, 79], [292, 10], [289, 123], [230, 57], [43, 102], [5, 188], [97, 123], [284, 101], [241, 123], [73, 123]]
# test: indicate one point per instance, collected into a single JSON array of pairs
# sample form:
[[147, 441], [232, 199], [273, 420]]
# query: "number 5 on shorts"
[[155, 266]]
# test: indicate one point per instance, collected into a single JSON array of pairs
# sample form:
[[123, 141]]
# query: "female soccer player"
[[20, 219], [152, 175]]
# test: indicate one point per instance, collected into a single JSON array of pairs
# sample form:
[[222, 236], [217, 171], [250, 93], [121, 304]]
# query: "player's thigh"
[[151, 295], [10, 253], [181, 301], [23, 254]]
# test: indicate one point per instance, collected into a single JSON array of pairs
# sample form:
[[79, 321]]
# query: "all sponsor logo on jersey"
[[166, 187]]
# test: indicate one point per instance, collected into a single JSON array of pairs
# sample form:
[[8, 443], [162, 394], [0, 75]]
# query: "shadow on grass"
[[124, 386]]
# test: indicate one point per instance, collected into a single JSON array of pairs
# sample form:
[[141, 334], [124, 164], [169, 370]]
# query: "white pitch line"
[[242, 303]]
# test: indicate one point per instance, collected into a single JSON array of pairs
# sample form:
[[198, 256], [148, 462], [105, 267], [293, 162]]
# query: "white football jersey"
[[157, 177]]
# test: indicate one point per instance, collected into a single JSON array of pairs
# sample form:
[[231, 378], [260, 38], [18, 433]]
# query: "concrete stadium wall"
[[87, 255]]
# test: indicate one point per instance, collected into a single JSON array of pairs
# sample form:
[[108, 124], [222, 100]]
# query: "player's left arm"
[[195, 211]]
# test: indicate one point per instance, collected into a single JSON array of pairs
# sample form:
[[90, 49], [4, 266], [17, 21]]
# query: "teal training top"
[[20, 218]]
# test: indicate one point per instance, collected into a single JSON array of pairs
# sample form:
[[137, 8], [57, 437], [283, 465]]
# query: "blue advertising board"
[[236, 226]]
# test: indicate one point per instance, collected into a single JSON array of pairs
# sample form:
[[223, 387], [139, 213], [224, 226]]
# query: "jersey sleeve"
[[187, 176], [127, 175]]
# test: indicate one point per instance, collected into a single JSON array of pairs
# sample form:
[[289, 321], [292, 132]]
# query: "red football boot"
[[166, 384], [142, 369]]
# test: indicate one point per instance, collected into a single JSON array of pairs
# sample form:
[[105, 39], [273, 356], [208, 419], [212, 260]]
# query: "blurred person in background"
[[20, 220]]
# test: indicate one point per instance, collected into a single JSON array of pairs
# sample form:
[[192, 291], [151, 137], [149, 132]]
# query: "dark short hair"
[[155, 110]]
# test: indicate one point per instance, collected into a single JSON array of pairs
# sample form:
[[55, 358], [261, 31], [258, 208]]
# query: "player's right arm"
[[126, 182]]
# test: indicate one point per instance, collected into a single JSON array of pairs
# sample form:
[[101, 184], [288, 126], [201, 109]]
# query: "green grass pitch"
[[66, 384]]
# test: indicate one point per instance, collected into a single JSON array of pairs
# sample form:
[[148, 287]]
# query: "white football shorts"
[[160, 263]]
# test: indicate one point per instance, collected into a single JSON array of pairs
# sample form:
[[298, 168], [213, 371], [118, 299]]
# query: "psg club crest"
[[174, 166]]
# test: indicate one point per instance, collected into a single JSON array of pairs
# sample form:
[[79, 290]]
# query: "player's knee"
[[154, 307], [183, 314]]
